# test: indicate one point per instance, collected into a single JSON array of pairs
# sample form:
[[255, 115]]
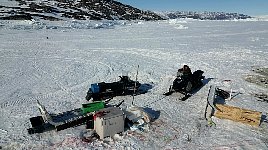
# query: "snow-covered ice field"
[[55, 62]]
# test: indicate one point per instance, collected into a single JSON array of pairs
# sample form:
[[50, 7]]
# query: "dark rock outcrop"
[[205, 15], [74, 9]]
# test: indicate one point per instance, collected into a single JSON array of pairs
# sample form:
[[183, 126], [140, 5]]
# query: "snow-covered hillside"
[[55, 62], [71, 9]]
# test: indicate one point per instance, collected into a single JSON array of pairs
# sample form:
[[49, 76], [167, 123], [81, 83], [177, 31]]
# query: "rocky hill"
[[72, 9], [96, 10], [204, 15]]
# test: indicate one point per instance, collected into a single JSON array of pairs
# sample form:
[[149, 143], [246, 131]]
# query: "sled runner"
[[64, 120], [214, 93]]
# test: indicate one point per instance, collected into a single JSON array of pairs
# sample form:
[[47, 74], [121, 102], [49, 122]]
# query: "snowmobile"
[[102, 90], [186, 86]]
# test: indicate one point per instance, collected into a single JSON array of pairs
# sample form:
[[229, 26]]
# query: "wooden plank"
[[238, 114]]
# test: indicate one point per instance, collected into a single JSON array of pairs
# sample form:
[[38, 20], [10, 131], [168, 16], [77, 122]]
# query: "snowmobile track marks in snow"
[[19, 102]]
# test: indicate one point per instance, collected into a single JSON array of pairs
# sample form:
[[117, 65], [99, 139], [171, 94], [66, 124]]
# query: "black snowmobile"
[[102, 90], [186, 86]]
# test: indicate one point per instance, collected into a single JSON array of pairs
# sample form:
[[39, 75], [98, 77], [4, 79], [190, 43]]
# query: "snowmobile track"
[[19, 102]]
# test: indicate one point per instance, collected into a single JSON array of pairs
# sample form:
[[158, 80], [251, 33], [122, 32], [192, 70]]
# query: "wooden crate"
[[238, 114]]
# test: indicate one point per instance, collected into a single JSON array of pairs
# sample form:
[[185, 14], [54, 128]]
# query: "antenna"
[[135, 86]]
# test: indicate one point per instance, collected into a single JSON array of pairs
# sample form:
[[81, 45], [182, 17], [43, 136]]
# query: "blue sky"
[[248, 7]]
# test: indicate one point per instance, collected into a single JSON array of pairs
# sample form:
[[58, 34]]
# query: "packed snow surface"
[[55, 63]]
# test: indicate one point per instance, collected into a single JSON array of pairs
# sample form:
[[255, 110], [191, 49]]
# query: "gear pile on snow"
[[107, 120]]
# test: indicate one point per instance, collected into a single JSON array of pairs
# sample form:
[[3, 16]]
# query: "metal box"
[[109, 121]]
